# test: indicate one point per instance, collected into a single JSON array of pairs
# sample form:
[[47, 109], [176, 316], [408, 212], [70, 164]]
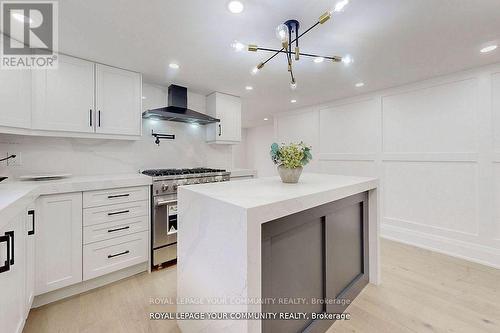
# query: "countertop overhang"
[[266, 199], [16, 195]]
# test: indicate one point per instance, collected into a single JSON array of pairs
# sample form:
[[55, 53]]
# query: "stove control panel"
[[162, 187]]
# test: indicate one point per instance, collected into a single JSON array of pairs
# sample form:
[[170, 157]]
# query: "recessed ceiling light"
[[347, 60], [266, 119], [235, 7], [359, 84], [293, 101], [339, 6], [249, 88], [319, 60], [489, 48], [143, 97], [237, 46], [173, 66]]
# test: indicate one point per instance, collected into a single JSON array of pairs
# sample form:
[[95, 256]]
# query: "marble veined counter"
[[220, 239], [15, 194]]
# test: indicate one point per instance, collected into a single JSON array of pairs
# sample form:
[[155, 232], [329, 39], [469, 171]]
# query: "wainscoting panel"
[[439, 118], [349, 168], [352, 128], [437, 195], [434, 145]]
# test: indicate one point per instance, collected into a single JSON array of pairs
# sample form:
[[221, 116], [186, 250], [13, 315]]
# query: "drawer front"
[[114, 254], [113, 213], [99, 232], [115, 196]]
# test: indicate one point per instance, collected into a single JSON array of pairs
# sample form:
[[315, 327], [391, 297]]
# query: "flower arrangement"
[[290, 159], [294, 155]]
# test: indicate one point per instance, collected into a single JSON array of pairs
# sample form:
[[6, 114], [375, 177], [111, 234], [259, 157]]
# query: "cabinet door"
[[63, 98], [119, 101], [12, 281], [15, 98], [227, 108], [58, 241]]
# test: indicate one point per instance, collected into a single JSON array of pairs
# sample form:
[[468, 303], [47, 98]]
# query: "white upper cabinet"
[[15, 98], [227, 108], [118, 101], [79, 98], [63, 98]]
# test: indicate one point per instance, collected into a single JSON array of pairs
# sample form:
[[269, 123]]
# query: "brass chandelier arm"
[[333, 58]]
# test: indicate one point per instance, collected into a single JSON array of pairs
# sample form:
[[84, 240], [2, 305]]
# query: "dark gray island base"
[[320, 254]]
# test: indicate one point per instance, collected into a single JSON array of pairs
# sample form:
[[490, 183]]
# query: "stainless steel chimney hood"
[[177, 109]]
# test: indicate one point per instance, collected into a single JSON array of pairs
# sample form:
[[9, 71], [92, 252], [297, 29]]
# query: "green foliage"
[[293, 155]]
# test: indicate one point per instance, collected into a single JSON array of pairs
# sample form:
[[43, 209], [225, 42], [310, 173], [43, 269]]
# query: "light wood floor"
[[422, 291]]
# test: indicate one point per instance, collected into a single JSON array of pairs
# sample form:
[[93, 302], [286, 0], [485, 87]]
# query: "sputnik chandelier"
[[288, 33]]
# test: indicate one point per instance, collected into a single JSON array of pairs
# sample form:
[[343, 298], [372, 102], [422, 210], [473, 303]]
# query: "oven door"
[[164, 221]]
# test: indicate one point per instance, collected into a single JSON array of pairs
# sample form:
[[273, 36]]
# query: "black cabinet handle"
[[220, 129], [6, 266], [120, 212], [32, 231], [99, 119], [11, 235], [118, 229], [90, 112], [118, 196], [118, 254]]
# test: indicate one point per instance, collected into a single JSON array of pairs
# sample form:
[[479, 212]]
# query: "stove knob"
[[175, 187], [164, 187]]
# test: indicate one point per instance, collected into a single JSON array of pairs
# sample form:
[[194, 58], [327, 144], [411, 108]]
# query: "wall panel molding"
[[435, 145], [477, 253], [431, 157], [369, 157]]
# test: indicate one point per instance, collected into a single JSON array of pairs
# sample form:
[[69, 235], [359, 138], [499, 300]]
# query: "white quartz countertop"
[[243, 172], [272, 198], [15, 194]]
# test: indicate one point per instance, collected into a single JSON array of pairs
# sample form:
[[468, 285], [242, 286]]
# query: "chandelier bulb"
[[293, 85], [282, 33]]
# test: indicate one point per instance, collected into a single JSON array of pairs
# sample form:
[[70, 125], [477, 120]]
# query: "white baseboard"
[[464, 250], [84, 286]]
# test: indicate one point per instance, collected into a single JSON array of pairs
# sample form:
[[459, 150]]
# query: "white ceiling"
[[392, 41]]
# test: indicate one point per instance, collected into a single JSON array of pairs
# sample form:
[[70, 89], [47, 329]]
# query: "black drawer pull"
[[32, 231], [120, 212], [118, 196], [6, 266], [11, 235], [124, 228], [118, 254]]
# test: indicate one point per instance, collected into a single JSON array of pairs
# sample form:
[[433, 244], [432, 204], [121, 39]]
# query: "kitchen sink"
[[2, 179]]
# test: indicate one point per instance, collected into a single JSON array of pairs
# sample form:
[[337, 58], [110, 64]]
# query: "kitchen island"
[[262, 246]]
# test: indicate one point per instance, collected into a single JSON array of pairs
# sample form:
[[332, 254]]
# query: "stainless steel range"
[[164, 224]]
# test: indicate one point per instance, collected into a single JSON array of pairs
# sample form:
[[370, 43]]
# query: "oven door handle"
[[165, 202]]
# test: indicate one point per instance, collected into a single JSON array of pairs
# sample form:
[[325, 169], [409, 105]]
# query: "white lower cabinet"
[[114, 254], [45, 246], [58, 241], [13, 274]]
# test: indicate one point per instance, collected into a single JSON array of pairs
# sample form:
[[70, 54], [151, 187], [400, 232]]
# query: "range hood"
[[177, 109]]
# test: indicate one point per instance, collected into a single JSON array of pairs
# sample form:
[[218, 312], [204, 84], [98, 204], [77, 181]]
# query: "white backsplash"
[[94, 157]]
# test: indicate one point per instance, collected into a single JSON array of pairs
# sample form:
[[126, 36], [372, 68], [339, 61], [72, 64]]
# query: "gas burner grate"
[[174, 172]]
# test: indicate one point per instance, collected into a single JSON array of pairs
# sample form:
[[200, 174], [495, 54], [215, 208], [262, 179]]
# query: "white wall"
[[257, 145], [90, 157], [435, 145]]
